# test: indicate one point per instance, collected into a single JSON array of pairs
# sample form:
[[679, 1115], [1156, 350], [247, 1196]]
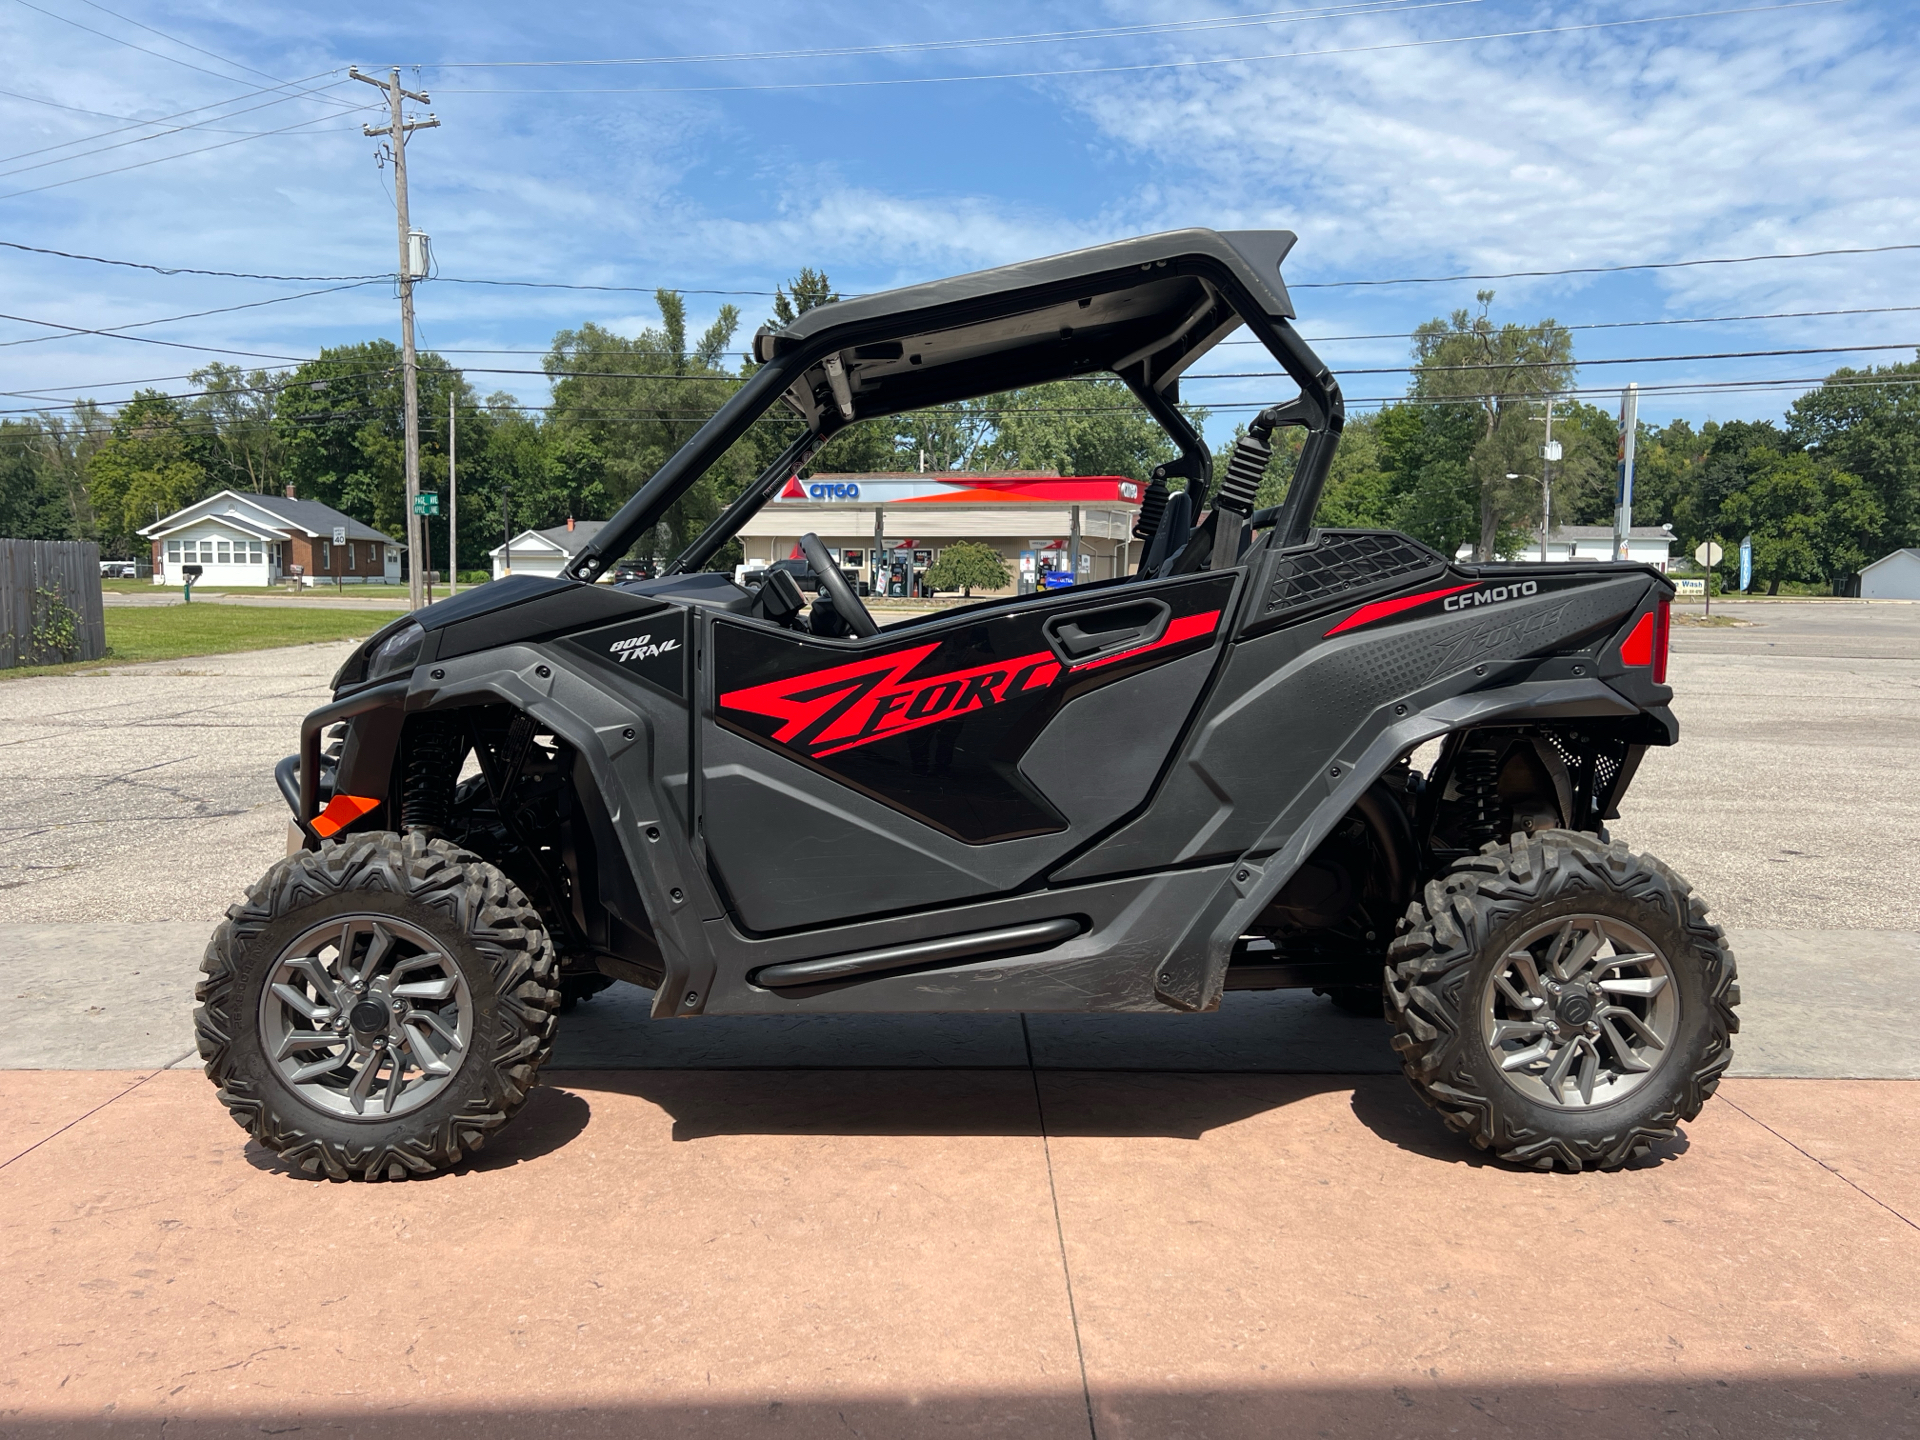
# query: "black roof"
[[1145, 308]]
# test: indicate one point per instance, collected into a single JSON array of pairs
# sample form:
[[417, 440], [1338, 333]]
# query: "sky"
[[889, 144]]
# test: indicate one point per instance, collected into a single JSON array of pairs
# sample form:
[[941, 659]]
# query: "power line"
[[180, 155], [116, 331], [1051, 37], [1137, 68], [133, 123], [185, 44], [1593, 325], [1605, 269], [280, 98], [178, 269]]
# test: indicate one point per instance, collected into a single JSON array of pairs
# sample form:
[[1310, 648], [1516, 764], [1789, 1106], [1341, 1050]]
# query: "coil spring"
[[1245, 470], [435, 748], [1477, 777], [1153, 505]]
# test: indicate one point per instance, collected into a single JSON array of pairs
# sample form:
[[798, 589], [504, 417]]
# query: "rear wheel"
[[1562, 1002], [377, 1008]]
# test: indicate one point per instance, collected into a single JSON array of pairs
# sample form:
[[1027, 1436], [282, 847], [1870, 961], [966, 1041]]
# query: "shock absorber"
[[436, 744], [1233, 506], [1477, 778]]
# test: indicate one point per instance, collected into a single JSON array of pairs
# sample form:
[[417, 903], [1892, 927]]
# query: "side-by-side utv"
[[1132, 795]]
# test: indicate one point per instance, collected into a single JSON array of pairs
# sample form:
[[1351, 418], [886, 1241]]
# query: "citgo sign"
[[833, 491]]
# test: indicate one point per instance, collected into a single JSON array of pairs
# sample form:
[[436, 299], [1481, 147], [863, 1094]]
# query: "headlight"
[[399, 651]]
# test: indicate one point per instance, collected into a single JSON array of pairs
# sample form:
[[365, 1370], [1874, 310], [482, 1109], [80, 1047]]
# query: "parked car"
[[119, 570]]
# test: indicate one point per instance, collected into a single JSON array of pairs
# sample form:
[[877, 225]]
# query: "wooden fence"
[[50, 587]]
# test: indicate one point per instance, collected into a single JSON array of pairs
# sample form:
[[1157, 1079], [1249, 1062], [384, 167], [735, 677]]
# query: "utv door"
[[945, 760]]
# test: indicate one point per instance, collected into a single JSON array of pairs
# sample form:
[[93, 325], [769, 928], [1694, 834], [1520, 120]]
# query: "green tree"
[[1428, 450], [800, 294], [33, 502], [965, 564], [1867, 422], [151, 464], [236, 408], [1075, 427], [1502, 372], [1807, 518], [339, 429], [639, 399]]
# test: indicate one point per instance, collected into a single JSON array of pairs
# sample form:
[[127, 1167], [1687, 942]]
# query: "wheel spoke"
[[1536, 996], [394, 1082], [304, 1040], [423, 1051], [1645, 987], [1556, 1076], [377, 949], [1589, 1068], [363, 1082], [317, 1068], [315, 1012], [1505, 1030], [310, 966], [1583, 952], [424, 989], [1649, 1037], [1520, 1059], [1623, 1054], [418, 962], [436, 1024]]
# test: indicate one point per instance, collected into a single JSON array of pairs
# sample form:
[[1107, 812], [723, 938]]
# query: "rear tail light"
[[1646, 643]]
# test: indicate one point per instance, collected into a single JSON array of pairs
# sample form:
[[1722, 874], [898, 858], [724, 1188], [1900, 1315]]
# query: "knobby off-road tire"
[[494, 984], [1461, 1034]]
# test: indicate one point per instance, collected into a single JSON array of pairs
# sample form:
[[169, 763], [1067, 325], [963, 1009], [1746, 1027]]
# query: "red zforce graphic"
[[825, 711], [848, 705]]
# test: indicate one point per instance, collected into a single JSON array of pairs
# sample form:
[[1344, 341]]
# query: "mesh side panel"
[[1344, 560]]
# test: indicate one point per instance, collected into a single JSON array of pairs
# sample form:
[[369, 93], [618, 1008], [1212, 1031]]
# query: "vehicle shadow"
[[553, 1117]]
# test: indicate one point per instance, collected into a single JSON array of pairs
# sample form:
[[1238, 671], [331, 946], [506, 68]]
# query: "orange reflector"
[[341, 812], [1662, 643], [1637, 648]]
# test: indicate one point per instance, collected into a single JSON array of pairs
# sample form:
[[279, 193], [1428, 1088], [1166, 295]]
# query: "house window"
[[326, 555], [351, 548], [256, 552], [226, 553], [173, 552], [206, 552]]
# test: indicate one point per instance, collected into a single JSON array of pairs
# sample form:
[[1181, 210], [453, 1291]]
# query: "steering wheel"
[[846, 604]]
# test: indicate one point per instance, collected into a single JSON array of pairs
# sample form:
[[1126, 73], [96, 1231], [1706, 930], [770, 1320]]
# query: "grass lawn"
[[172, 632], [371, 592]]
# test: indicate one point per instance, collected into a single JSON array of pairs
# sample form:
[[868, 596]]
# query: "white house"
[[1892, 577], [1646, 545], [239, 539], [543, 552]]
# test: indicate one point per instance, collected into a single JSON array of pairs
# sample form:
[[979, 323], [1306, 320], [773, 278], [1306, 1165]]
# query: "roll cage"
[[1143, 310]]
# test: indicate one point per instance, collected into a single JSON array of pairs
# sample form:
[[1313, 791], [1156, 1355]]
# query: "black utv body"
[[1124, 796]]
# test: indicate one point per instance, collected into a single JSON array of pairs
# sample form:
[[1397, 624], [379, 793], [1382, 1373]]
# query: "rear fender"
[[1193, 973]]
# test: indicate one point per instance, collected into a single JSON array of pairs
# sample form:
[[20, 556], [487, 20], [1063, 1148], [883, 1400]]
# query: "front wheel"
[[1561, 1001], [377, 1007]]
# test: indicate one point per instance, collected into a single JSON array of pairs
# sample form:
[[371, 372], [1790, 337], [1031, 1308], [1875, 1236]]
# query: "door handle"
[[1114, 628]]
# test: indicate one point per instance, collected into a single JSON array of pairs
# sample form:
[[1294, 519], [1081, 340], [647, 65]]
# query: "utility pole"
[[1549, 452], [398, 129], [453, 507], [1623, 495]]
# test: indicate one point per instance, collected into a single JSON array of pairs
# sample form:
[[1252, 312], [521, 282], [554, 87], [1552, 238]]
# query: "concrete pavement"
[[910, 1252]]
